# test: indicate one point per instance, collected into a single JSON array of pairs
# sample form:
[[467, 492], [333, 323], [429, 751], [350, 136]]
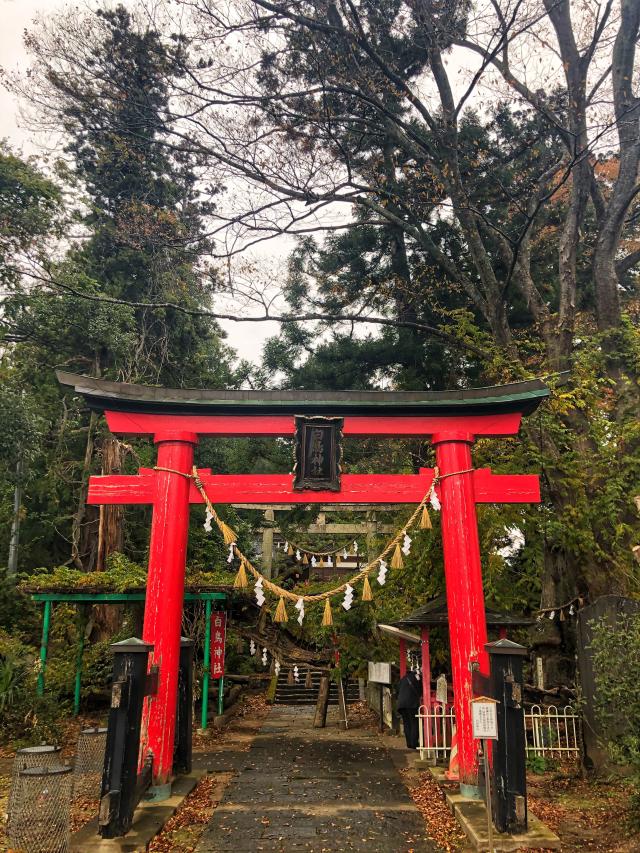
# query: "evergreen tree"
[[103, 79]]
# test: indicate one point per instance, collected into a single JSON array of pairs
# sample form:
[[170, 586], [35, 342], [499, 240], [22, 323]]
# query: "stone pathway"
[[300, 788]]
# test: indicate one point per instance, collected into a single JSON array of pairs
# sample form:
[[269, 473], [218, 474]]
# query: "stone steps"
[[298, 694]]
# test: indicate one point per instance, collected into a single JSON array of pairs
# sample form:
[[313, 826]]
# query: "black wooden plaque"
[[317, 453]]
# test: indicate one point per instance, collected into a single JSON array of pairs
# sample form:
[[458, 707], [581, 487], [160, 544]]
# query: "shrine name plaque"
[[318, 453]]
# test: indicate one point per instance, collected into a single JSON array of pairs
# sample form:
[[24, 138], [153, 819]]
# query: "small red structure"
[[436, 613], [175, 419]]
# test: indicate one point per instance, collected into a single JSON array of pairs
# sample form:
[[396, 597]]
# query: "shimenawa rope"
[[279, 591]]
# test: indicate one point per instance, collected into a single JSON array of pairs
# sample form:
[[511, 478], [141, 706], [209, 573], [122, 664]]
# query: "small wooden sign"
[[317, 453], [484, 718], [441, 689], [380, 672]]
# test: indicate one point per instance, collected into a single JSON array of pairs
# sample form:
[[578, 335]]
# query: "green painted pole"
[[220, 696], [46, 622], [206, 662], [82, 626]]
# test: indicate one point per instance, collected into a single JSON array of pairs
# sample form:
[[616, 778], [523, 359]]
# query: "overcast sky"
[[15, 16]]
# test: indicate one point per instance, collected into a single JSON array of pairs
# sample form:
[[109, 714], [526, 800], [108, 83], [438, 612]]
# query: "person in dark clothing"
[[409, 694]]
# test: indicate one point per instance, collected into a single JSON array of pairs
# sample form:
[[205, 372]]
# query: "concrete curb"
[[472, 817], [148, 820]]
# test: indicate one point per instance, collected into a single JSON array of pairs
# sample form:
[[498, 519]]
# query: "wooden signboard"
[[380, 672]]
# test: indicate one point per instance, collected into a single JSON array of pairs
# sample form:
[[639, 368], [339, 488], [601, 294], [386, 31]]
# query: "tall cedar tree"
[[103, 79]]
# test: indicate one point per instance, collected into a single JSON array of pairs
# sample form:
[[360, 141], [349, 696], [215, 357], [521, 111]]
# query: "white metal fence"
[[552, 731], [434, 730], [549, 731]]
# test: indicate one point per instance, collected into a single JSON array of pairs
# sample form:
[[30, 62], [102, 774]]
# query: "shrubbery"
[[26, 717], [616, 665], [122, 574]]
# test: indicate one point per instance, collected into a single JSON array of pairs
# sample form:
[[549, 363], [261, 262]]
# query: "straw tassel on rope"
[[281, 612], [308, 682], [227, 533], [396, 560], [367, 595], [425, 521], [327, 616], [241, 581]]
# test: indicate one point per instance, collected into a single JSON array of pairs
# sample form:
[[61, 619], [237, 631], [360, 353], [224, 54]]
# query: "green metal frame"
[[206, 665], [118, 597], [221, 696], [83, 617], [85, 598], [44, 644]]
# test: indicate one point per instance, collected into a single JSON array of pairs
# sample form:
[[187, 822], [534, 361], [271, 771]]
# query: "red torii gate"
[[175, 419]]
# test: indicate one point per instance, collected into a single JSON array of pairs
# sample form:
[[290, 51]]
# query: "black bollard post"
[[120, 791], [509, 773], [184, 729]]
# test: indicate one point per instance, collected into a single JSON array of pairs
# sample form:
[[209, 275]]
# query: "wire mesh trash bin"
[[40, 823], [87, 770], [30, 756]]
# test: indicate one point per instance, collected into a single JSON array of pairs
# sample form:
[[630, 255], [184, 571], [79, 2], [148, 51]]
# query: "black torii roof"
[[435, 613], [101, 394]]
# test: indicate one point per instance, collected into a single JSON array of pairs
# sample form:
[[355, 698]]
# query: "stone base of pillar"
[[157, 793], [471, 792]]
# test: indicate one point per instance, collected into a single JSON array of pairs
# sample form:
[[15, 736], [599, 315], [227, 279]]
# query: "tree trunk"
[[567, 254], [320, 719], [81, 553], [108, 617], [605, 279], [110, 531], [14, 539], [627, 109]]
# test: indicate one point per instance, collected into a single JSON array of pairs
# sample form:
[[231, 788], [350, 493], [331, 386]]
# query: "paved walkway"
[[300, 788]]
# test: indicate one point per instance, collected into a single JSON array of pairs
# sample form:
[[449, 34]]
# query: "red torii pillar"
[[465, 594], [165, 595], [425, 656], [402, 655], [171, 492]]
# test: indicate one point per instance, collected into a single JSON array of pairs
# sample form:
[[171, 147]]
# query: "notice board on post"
[[484, 718], [380, 672]]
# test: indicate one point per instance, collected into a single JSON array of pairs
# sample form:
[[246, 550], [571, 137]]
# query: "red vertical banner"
[[218, 636]]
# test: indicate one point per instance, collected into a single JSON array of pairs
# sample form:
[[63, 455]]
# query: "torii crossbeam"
[[175, 419]]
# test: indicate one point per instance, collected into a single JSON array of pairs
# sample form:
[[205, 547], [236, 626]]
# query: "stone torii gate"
[[176, 418]]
